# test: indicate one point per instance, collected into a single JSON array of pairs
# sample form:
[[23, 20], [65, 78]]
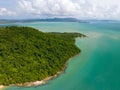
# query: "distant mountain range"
[[42, 20], [51, 20]]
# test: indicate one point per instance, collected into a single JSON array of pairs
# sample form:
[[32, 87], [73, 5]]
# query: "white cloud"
[[99, 9], [83, 9], [4, 11]]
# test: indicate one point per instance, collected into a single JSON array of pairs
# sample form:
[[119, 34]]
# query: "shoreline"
[[42, 82], [2, 87]]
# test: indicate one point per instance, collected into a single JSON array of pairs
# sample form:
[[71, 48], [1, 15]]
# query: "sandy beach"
[[1, 87]]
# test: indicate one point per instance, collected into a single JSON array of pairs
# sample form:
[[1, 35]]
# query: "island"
[[28, 55]]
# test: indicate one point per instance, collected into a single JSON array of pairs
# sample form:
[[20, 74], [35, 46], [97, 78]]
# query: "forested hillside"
[[27, 54]]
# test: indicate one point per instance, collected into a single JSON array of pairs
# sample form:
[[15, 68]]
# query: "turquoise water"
[[97, 67]]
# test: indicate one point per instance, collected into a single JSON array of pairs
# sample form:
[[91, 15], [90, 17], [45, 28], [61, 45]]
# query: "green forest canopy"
[[27, 54]]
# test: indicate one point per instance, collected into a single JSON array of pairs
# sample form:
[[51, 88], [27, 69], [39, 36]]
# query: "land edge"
[[42, 82]]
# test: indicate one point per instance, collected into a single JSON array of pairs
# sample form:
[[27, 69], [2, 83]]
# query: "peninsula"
[[29, 55]]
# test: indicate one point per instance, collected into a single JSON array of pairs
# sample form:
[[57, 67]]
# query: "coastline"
[[1, 87], [42, 82]]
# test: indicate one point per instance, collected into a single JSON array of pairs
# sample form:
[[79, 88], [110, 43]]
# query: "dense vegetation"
[[27, 54]]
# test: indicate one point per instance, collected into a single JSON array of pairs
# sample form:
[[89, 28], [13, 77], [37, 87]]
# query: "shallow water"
[[97, 67]]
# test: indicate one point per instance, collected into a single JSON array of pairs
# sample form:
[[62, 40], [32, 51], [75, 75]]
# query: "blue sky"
[[81, 9]]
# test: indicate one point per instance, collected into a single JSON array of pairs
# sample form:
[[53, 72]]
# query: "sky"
[[80, 9]]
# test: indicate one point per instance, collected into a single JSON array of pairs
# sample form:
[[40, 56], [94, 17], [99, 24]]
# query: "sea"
[[97, 67]]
